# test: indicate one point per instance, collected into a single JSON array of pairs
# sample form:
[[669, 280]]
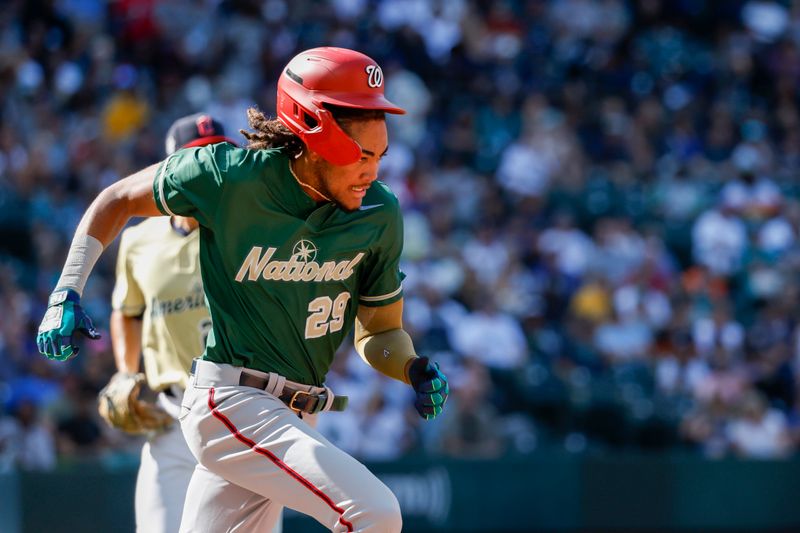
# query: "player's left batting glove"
[[64, 317], [430, 385]]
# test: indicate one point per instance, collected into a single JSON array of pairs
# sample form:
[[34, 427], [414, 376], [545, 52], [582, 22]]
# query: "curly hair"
[[272, 133]]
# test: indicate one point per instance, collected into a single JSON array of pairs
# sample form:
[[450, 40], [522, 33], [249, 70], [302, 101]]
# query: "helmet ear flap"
[[330, 141], [319, 131], [310, 121]]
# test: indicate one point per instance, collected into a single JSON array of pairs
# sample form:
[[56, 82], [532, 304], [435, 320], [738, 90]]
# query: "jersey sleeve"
[[188, 183], [381, 281], [127, 296]]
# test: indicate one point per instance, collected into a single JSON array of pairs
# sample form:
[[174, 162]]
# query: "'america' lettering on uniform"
[[158, 279], [278, 249]]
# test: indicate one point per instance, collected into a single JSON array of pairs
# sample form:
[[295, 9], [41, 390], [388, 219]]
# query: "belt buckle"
[[294, 398]]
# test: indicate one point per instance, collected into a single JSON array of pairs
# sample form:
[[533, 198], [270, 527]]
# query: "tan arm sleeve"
[[381, 341]]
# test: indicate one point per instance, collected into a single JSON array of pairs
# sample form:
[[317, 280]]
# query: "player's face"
[[347, 185]]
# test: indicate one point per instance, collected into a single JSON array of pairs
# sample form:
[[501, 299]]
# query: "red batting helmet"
[[335, 76]]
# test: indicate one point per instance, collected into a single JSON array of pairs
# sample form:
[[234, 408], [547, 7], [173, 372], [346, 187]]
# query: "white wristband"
[[83, 254]]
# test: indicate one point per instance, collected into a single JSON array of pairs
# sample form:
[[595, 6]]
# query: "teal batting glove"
[[431, 387], [63, 318]]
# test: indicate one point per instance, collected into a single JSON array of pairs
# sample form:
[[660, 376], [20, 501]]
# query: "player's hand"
[[119, 405], [63, 318], [430, 385]]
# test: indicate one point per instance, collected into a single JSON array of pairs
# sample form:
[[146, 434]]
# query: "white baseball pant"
[[164, 473], [256, 456]]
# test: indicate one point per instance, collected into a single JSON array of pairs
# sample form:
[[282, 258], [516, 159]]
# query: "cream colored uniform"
[[158, 278]]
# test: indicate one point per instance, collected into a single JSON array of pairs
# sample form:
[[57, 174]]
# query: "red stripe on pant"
[[275, 460]]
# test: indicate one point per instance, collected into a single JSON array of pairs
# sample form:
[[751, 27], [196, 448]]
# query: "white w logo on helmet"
[[374, 76]]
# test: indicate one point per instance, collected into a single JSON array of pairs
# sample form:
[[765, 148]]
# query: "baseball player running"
[[159, 311], [298, 241]]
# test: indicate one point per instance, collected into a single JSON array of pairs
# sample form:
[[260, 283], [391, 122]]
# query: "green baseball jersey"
[[283, 275]]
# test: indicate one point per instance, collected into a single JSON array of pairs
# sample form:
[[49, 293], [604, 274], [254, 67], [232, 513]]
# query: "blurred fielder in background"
[[297, 243], [159, 311]]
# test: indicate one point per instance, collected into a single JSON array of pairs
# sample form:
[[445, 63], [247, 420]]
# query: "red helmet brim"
[[377, 102]]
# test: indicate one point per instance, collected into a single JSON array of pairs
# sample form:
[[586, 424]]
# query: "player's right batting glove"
[[430, 385], [64, 317]]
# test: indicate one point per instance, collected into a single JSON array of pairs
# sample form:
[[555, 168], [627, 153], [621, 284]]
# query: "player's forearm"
[[381, 341], [103, 221], [126, 341], [389, 352]]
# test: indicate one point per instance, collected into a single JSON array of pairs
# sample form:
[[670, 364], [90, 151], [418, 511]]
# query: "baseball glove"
[[120, 406]]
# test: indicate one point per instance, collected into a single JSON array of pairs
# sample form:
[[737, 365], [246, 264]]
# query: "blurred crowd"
[[602, 226]]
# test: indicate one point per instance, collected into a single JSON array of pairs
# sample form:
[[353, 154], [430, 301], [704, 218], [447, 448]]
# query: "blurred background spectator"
[[600, 198]]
